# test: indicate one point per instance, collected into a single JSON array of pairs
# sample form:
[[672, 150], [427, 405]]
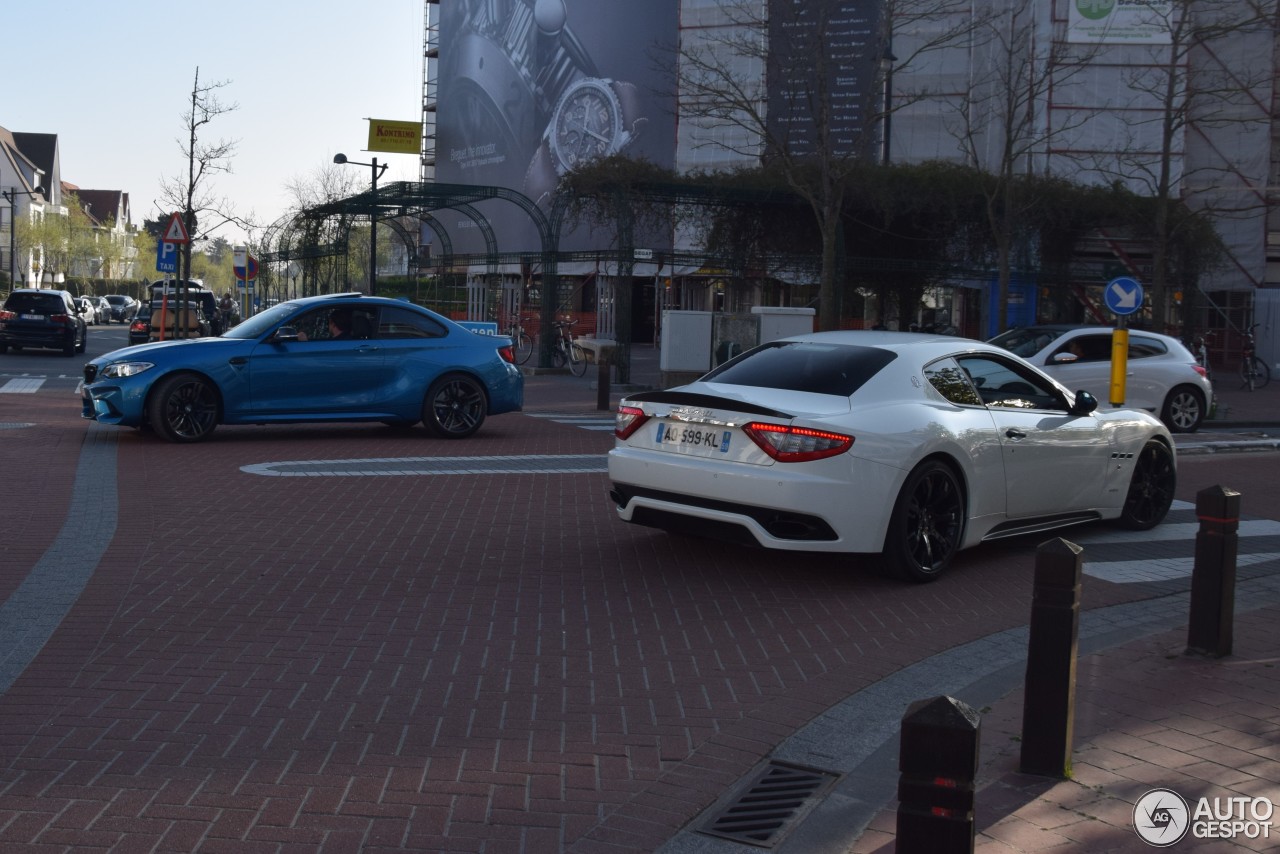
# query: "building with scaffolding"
[[1173, 98]]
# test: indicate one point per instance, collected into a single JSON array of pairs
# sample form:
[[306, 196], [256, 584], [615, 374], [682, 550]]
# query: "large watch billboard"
[[531, 88]]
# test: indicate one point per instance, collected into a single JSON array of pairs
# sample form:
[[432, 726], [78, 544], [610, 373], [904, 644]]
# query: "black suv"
[[34, 317]]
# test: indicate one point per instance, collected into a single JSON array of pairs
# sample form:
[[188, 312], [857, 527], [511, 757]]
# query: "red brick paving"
[[466, 663]]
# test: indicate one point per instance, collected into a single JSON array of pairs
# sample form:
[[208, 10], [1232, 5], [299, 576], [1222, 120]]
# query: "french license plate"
[[691, 437], [33, 317]]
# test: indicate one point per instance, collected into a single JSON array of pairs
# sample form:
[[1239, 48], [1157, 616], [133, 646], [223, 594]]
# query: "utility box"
[[780, 322], [686, 342]]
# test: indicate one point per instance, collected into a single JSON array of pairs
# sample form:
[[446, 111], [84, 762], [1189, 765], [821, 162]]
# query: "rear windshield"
[[36, 304], [820, 368]]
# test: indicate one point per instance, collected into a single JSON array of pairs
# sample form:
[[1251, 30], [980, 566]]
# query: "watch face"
[[587, 124]]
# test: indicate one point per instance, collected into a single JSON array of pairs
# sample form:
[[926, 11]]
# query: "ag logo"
[[1161, 817], [1095, 10]]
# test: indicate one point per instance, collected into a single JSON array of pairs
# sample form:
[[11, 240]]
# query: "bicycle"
[[1253, 371], [567, 351], [521, 343]]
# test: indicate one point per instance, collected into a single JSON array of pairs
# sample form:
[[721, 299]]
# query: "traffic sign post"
[[1123, 295]]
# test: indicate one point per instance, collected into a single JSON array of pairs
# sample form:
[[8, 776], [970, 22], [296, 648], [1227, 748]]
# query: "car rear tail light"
[[1199, 369], [796, 444], [64, 319], [628, 420], [7, 315], [507, 354]]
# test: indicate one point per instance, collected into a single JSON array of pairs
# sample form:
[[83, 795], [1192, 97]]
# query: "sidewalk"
[[1147, 716]]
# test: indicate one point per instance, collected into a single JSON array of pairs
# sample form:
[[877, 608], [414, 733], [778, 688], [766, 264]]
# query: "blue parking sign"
[[166, 257]]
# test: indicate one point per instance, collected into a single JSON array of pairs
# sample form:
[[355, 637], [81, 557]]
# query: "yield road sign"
[[166, 257], [1123, 295]]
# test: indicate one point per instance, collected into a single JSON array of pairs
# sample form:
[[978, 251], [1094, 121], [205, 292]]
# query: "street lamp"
[[11, 195], [373, 217]]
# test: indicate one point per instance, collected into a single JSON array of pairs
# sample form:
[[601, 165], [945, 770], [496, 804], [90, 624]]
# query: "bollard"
[[1048, 709], [937, 764], [602, 380], [1213, 577]]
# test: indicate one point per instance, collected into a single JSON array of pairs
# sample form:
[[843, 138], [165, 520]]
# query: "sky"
[[113, 81]]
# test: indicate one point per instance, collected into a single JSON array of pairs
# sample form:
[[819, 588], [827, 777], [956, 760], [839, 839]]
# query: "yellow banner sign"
[[396, 137]]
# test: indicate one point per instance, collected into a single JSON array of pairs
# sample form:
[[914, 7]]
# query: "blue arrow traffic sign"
[[1123, 295]]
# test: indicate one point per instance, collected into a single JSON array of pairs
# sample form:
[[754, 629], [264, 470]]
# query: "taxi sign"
[[1123, 295], [166, 257]]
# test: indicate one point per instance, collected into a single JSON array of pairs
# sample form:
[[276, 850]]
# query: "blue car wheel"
[[183, 408], [455, 407]]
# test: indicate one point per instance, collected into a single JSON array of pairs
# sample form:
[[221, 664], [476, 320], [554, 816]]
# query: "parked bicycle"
[[521, 343], [1253, 371], [567, 351]]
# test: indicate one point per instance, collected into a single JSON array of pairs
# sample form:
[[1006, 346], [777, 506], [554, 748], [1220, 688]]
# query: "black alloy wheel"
[[455, 407], [1151, 489], [927, 523], [183, 408]]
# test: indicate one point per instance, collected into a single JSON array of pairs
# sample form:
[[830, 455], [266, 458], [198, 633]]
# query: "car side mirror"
[[1065, 358], [285, 333], [1085, 403]]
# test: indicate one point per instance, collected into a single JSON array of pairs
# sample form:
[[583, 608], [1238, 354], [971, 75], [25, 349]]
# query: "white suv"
[[1162, 377]]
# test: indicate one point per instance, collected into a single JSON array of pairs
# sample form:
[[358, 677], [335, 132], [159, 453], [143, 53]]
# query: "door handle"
[[1015, 434], [238, 361]]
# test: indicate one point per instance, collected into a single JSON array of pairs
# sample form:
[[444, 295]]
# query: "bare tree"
[[1195, 134], [791, 89], [192, 195], [1003, 126]]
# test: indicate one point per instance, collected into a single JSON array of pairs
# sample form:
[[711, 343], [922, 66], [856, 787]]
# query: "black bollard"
[[1213, 577], [602, 380], [937, 764], [1048, 709]]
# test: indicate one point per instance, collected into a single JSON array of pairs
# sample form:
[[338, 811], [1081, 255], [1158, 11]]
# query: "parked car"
[[396, 363], [38, 317], [102, 308], [909, 446], [1162, 375], [87, 309], [140, 325], [123, 307]]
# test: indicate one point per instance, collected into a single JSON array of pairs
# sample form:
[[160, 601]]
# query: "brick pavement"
[[380, 663]]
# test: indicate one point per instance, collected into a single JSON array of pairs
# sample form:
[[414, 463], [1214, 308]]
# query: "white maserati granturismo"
[[908, 446]]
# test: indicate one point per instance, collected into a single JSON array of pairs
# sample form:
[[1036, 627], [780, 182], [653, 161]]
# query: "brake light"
[[507, 354], [60, 318], [7, 315], [796, 444], [628, 420], [1199, 369]]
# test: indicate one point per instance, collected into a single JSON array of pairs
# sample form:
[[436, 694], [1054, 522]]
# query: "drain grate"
[[769, 805]]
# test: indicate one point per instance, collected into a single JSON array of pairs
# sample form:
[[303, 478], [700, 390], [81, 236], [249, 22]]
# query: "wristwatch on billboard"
[[595, 117]]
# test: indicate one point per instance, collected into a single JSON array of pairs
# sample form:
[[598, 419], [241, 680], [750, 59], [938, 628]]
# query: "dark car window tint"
[[1087, 348], [839, 369], [1001, 385], [1141, 347], [952, 382], [399, 322], [36, 304]]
